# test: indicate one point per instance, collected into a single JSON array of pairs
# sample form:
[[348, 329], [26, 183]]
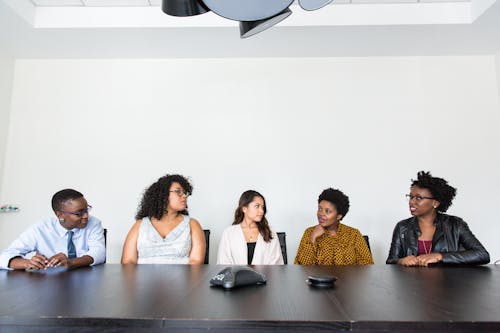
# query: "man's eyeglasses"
[[418, 198], [79, 213], [181, 193]]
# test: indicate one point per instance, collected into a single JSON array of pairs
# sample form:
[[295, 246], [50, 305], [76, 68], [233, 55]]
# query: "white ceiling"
[[112, 3], [146, 13], [139, 29]]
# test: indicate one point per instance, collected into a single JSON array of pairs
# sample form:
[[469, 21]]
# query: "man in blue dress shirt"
[[70, 239]]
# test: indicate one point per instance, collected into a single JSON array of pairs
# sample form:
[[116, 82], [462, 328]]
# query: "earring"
[[434, 207], [61, 220]]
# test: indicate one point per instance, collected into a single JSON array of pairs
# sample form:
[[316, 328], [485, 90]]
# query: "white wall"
[[286, 127], [497, 63], [6, 76]]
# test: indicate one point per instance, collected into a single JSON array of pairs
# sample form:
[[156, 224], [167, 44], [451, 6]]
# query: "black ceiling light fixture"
[[254, 15], [183, 7], [250, 28]]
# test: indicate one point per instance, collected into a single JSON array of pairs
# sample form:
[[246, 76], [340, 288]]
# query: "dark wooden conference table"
[[178, 298]]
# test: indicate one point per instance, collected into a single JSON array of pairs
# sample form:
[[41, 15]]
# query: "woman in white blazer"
[[250, 241]]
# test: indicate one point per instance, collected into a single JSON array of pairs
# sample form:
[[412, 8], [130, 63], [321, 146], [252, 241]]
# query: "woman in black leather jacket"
[[431, 236]]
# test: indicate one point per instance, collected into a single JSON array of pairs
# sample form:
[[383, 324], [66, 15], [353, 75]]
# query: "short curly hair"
[[59, 198], [154, 201], [336, 198], [439, 188]]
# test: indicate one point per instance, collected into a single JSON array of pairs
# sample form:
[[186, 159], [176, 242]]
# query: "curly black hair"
[[336, 198], [154, 201], [439, 188], [62, 196]]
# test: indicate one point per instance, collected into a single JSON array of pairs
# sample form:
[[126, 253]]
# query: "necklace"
[[249, 233], [425, 248]]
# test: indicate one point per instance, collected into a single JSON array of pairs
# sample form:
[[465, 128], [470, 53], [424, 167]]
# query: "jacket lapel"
[[412, 238], [437, 244]]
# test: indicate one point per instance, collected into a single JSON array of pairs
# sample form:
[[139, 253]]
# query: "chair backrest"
[[105, 242], [367, 242], [282, 239], [207, 241], [105, 238]]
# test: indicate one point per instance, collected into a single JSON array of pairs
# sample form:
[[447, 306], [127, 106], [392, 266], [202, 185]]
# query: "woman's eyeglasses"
[[418, 198], [181, 193]]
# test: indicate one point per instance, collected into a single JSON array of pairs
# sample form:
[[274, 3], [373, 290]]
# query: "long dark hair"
[[263, 226], [155, 199]]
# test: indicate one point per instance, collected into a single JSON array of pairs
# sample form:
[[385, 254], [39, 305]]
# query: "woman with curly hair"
[[331, 242], [164, 233], [250, 240], [431, 236]]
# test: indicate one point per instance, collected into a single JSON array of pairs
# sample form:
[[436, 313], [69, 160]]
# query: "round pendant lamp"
[[183, 7], [247, 10], [313, 4], [250, 28]]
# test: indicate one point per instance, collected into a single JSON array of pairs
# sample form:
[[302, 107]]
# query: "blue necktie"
[[71, 246]]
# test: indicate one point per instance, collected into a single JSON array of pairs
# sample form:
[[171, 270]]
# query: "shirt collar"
[[61, 231]]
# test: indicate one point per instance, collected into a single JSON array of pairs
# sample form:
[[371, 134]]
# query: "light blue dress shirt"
[[48, 237]]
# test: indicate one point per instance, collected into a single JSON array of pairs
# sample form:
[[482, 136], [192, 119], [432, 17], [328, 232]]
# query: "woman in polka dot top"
[[331, 242]]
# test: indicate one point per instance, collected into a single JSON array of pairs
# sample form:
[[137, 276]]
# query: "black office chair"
[[207, 241], [367, 242], [282, 239]]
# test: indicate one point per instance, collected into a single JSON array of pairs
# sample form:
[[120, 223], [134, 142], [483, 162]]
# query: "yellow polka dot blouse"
[[346, 247]]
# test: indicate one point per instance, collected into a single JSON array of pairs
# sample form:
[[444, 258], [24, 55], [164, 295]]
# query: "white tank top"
[[173, 249]]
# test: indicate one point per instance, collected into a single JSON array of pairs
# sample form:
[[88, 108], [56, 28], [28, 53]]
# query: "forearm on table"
[[18, 263], [80, 261]]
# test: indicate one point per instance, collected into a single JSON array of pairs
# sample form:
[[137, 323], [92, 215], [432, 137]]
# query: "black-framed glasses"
[[79, 213], [418, 198], [181, 193]]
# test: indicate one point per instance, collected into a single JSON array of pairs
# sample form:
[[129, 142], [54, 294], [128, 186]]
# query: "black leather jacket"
[[452, 239]]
